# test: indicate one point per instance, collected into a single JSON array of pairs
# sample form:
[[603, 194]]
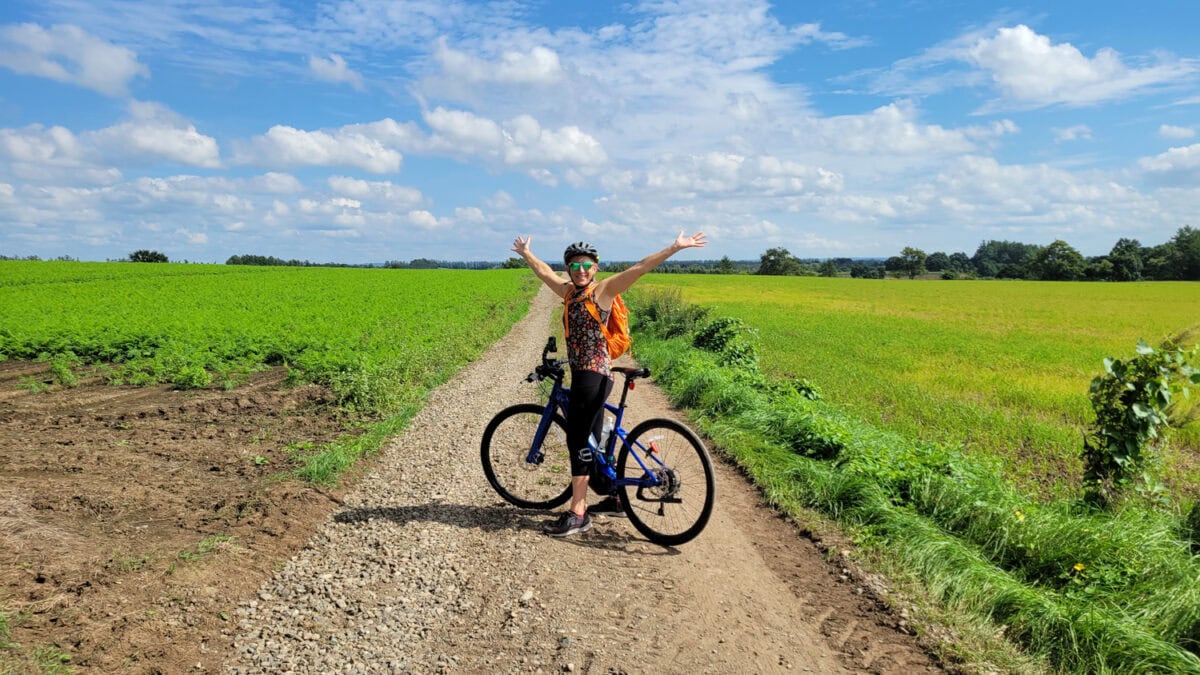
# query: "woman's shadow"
[[497, 517]]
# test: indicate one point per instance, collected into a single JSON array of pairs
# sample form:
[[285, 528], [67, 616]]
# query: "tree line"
[[1177, 259]]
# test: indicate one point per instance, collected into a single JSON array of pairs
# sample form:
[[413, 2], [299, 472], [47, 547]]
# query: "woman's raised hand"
[[694, 241], [521, 246]]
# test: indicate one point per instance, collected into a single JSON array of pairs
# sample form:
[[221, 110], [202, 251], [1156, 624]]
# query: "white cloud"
[[424, 219], [158, 133], [520, 141], [192, 238], [538, 66], [152, 133], [69, 54], [1078, 132], [1176, 133], [334, 70], [1031, 70], [356, 146], [385, 192], [1175, 160]]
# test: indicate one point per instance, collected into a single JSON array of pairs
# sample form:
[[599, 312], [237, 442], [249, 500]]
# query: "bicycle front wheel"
[[541, 484], [678, 508]]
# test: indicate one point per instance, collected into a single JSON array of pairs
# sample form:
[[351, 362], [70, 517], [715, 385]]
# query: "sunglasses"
[[585, 266]]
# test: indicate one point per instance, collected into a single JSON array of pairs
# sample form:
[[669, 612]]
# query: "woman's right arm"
[[541, 269]]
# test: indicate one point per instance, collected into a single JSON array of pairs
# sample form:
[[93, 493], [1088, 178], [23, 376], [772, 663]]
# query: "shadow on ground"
[[604, 535]]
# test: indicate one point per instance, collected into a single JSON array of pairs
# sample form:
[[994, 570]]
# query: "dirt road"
[[425, 569]]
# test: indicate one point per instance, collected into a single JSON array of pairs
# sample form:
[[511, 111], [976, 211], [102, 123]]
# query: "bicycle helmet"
[[580, 248]]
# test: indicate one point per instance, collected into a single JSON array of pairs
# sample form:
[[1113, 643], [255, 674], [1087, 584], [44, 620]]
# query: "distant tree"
[[960, 262], [1099, 268], [147, 256], [1058, 262], [1126, 260], [828, 269], [778, 262], [1187, 245], [937, 262], [859, 271], [913, 261], [725, 266], [513, 264], [1003, 259]]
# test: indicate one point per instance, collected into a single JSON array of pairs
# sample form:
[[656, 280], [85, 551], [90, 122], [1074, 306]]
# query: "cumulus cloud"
[[893, 129], [1176, 133], [156, 132], [71, 55], [152, 133], [356, 146], [538, 66], [1031, 70], [385, 192], [520, 141], [1180, 160], [1079, 132], [334, 69]]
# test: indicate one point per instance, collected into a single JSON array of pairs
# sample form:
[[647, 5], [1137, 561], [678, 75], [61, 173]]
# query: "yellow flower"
[[1078, 567], [1020, 516]]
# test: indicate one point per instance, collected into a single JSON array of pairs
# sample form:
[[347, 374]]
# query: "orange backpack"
[[615, 330]]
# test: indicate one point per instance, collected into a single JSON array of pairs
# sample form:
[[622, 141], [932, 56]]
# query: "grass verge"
[[1084, 591]]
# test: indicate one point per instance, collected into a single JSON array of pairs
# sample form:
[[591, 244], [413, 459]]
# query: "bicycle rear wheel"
[[504, 451], [677, 510]]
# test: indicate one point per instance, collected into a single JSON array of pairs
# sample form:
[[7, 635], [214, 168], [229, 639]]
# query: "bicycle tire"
[[678, 511], [505, 447]]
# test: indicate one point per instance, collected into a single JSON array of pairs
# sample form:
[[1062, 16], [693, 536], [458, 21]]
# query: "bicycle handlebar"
[[550, 367]]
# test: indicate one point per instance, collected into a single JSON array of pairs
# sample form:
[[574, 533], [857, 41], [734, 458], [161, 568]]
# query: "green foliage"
[[912, 261], [664, 312], [1191, 527], [779, 262], [1133, 401], [1057, 262], [192, 377], [146, 256], [203, 548], [61, 365]]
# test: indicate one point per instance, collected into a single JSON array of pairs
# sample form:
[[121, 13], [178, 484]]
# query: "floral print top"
[[586, 347]]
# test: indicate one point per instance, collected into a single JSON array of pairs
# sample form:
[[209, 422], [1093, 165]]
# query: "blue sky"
[[362, 131]]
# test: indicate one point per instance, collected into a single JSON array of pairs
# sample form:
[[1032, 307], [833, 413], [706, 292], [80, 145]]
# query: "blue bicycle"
[[661, 472]]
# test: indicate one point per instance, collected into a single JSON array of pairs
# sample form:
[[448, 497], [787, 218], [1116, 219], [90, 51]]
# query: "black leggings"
[[589, 391]]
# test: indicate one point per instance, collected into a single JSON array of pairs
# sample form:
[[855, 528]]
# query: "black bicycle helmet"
[[580, 248]]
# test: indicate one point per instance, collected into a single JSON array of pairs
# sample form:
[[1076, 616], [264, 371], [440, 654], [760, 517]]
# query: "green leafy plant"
[[61, 365], [192, 377], [204, 547], [32, 385], [1134, 401]]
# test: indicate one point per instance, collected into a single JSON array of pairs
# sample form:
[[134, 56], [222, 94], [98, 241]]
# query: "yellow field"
[[1000, 367]]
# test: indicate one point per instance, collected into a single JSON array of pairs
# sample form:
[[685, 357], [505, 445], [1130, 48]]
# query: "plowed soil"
[[132, 520]]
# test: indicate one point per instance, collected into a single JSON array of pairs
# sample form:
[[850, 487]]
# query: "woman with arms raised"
[[587, 352]]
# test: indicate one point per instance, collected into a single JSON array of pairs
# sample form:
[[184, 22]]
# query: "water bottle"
[[606, 432]]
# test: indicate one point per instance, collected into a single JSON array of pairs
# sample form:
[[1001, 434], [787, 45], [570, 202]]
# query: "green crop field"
[[375, 335], [1000, 367]]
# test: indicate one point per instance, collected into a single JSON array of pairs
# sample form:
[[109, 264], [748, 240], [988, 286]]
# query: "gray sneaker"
[[568, 524]]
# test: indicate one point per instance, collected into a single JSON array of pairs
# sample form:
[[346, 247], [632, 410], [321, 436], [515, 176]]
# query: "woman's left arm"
[[607, 289]]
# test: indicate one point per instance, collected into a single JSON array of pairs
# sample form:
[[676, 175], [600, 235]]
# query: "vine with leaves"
[[1135, 401]]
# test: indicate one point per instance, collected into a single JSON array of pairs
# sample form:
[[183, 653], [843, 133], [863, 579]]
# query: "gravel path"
[[425, 569]]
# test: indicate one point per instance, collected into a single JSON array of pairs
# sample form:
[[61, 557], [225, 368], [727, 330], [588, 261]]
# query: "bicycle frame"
[[560, 400]]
